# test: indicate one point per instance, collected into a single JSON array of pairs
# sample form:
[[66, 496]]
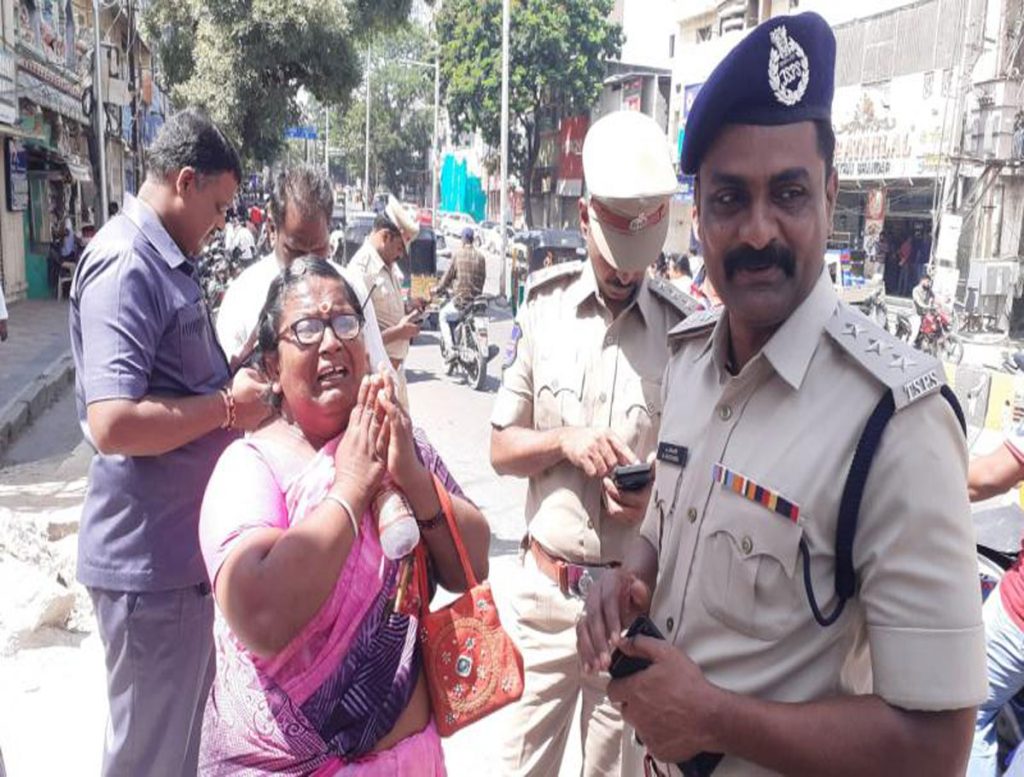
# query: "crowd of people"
[[799, 582]]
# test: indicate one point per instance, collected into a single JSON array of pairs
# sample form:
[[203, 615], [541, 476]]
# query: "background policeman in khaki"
[[763, 409], [377, 262], [580, 395]]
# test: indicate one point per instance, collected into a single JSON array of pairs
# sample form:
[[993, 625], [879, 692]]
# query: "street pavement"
[[37, 335]]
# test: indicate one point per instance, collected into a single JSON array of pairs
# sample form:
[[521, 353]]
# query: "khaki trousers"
[[544, 629]]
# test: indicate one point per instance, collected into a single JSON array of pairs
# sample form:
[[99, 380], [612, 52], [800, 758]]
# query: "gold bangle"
[[229, 408], [344, 505]]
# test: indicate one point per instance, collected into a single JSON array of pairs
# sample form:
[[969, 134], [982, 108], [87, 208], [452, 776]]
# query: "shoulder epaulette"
[[545, 276], [694, 325], [909, 373], [670, 294]]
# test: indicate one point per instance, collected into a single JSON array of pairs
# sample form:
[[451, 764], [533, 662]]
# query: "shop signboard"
[[8, 87], [950, 227], [888, 131], [570, 158], [874, 220], [17, 175]]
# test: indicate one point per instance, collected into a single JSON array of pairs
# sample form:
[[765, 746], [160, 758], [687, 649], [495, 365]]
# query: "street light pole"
[[503, 219], [366, 162], [327, 142], [435, 156], [101, 123]]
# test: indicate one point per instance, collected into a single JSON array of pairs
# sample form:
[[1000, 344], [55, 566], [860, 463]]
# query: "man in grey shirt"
[[157, 402]]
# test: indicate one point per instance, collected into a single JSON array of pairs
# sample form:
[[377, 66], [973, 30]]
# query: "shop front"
[[55, 189], [888, 157]]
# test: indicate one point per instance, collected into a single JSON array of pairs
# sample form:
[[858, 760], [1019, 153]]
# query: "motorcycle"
[[936, 335], [874, 308], [470, 340]]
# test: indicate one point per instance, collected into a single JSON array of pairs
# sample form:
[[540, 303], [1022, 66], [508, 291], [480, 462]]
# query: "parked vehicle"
[[534, 250], [473, 349], [357, 226]]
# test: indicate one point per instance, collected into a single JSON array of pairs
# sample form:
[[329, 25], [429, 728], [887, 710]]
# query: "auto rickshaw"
[[540, 248]]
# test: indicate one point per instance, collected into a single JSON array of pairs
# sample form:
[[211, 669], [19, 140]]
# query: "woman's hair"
[[281, 288]]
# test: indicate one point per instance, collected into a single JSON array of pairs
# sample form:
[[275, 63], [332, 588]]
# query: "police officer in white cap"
[[580, 397], [377, 261]]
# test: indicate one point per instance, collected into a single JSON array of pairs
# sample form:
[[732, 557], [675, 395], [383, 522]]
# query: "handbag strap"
[[423, 584], [453, 528]]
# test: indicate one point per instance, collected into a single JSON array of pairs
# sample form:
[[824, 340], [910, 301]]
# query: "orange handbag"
[[472, 666]]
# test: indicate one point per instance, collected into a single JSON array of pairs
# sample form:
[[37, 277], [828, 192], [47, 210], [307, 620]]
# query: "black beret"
[[783, 72]]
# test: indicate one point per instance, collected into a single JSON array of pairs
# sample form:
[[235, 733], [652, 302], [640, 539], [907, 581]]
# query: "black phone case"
[[623, 665], [631, 477]]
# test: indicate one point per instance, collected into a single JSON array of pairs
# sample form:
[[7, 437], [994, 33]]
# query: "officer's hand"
[[595, 451], [612, 604], [251, 392], [628, 507], [408, 326], [668, 703]]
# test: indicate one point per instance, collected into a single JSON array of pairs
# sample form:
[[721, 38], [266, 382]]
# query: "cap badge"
[[788, 68], [639, 222]]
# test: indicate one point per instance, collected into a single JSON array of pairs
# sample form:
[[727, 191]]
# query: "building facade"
[[48, 120]]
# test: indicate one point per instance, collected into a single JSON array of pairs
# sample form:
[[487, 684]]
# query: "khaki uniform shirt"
[[385, 290], [730, 589], [572, 364]]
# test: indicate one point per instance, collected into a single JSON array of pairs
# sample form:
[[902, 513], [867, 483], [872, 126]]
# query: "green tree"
[[401, 115], [558, 49], [244, 61]]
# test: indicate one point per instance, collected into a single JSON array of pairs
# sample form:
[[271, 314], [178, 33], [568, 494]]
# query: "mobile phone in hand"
[[632, 477], [623, 665]]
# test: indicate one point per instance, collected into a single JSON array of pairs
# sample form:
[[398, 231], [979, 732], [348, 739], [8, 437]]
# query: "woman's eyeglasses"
[[310, 331]]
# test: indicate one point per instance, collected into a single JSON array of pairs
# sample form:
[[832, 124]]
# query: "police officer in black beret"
[[807, 556]]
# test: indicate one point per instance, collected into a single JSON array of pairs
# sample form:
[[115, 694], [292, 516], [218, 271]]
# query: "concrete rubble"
[[42, 602]]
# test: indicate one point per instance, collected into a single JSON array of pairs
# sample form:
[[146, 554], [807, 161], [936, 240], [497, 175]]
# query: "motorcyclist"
[[923, 296], [924, 303], [465, 276]]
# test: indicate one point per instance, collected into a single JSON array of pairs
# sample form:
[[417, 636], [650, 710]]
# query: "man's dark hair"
[[304, 187], [826, 144], [382, 222], [190, 139], [681, 264]]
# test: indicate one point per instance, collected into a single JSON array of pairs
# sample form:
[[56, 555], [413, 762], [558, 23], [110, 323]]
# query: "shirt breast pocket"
[[559, 393], [642, 413], [199, 357], [748, 579]]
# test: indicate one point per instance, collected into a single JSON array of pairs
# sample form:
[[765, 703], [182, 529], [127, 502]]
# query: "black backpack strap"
[[849, 507]]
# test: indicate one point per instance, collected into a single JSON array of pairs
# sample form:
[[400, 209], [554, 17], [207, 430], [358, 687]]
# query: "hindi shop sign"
[[890, 131]]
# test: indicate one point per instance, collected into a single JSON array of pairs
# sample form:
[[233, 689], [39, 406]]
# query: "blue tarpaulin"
[[461, 191]]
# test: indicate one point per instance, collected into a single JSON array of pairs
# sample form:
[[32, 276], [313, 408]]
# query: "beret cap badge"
[[788, 69]]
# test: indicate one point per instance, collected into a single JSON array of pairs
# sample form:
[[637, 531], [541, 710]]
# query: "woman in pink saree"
[[318, 671]]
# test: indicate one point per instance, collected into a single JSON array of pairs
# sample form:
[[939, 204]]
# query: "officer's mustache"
[[747, 257]]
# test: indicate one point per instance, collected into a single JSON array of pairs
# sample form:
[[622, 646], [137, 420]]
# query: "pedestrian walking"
[[155, 401], [814, 578], [581, 395], [393, 230], [301, 204]]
